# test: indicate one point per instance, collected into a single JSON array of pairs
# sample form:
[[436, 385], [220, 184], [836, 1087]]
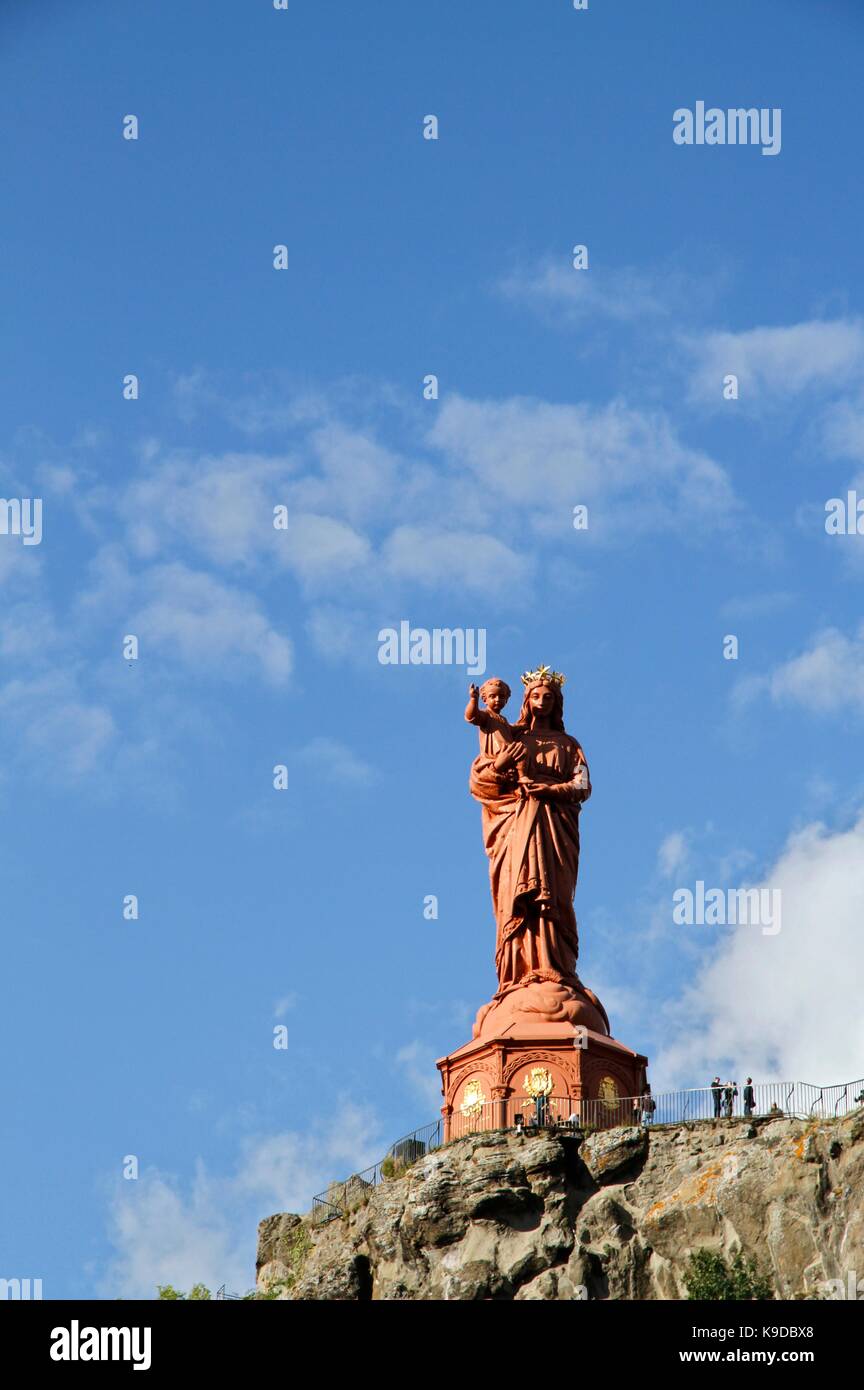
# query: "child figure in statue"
[[494, 731]]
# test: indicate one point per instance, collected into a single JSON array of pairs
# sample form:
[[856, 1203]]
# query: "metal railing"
[[342, 1197], [538, 1112], [475, 1118], [771, 1100]]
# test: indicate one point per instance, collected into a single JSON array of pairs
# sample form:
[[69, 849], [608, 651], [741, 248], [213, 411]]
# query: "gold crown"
[[545, 674]]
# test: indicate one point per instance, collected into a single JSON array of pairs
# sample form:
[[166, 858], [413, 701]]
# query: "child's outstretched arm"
[[472, 709]]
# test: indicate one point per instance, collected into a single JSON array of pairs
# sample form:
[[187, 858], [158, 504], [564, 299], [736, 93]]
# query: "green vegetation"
[[709, 1277], [197, 1294], [293, 1252], [273, 1292], [298, 1250], [393, 1167]]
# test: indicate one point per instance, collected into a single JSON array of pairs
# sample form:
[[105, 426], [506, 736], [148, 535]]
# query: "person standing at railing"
[[649, 1105], [729, 1093], [717, 1095], [749, 1098]]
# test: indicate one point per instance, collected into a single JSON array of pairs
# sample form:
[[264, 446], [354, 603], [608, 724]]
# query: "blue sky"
[[303, 388]]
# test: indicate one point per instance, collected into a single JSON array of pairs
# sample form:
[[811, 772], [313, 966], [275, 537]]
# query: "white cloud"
[[358, 475], [358, 513], [260, 404], [284, 1171], [167, 1232], [777, 362], [208, 625], [844, 429], [222, 509], [544, 459], [221, 506], [620, 294], [29, 633], [322, 549], [779, 1007], [57, 479], [19, 563], [357, 510], [468, 561], [826, 678], [418, 1064], [673, 855], [162, 1237], [53, 721], [335, 762], [365, 525]]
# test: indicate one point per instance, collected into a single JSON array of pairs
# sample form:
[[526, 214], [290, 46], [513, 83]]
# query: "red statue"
[[532, 780]]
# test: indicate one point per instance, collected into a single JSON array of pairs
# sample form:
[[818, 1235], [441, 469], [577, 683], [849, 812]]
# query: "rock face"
[[505, 1215]]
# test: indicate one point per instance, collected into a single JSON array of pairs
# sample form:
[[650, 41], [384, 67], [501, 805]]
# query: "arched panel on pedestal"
[[564, 1072], [598, 1070], [484, 1075]]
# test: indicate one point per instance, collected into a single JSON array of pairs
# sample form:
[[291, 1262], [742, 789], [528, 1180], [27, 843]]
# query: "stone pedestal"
[[543, 1072]]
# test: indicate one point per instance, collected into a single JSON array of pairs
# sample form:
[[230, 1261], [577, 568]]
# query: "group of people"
[[725, 1093]]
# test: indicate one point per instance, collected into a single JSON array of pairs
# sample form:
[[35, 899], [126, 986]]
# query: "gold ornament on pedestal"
[[538, 1082], [473, 1100]]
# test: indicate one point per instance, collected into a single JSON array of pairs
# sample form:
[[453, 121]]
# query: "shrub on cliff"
[[198, 1293], [709, 1277]]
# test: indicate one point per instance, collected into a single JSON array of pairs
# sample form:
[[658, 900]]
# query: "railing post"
[[578, 1102], [446, 1113], [500, 1097]]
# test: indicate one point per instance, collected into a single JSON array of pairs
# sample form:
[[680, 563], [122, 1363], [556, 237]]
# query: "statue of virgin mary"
[[532, 795]]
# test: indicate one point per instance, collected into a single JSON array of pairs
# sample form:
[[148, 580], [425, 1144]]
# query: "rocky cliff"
[[504, 1215]]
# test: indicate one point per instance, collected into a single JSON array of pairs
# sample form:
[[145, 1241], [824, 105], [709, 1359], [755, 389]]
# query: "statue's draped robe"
[[533, 849]]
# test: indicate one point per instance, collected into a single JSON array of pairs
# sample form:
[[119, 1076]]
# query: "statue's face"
[[541, 699], [493, 694]]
